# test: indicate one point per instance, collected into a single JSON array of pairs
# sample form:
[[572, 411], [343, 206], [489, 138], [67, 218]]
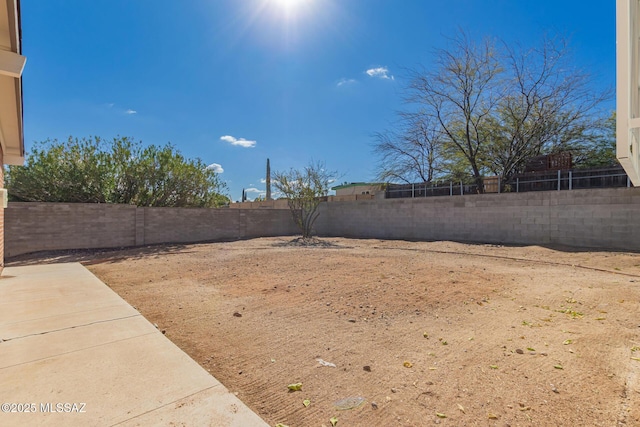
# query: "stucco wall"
[[1, 212], [364, 189], [604, 218], [31, 227]]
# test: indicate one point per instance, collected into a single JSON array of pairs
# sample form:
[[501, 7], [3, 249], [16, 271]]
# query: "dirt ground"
[[425, 332]]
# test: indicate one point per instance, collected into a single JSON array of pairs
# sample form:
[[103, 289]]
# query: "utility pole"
[[268, 180]]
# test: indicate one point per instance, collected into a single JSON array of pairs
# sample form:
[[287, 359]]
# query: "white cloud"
[[379, 72], [227, 138], [263, 181], [118, 109], [238, 141], [256, 192], [344, 81], [216, 167]]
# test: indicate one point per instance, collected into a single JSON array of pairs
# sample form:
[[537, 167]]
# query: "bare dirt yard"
[[423, 332]]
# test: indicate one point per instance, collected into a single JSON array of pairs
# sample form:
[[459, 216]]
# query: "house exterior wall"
[[358, 190], [11, 127], [1, 213]]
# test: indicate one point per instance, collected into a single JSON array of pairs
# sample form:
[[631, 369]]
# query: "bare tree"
[[482, 109], [548, 105], [460, 95], [305, 190], [411, 154]]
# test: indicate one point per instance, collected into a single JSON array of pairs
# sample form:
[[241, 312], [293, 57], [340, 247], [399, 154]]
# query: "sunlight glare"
[[288, 24], [289, 4], [292, 8]]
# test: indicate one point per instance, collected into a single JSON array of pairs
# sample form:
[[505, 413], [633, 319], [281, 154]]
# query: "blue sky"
[[235, 82]]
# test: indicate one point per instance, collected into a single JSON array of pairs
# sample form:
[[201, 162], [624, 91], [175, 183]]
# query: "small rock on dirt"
[[366, 368], [236, 314], [519, 351]]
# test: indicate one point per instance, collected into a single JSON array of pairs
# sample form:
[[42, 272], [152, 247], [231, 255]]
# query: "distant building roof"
[[355, 184]]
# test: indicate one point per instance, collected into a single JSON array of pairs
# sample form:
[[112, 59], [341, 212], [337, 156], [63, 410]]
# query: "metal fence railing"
[[536, 181], [569, 180], [425, 189]]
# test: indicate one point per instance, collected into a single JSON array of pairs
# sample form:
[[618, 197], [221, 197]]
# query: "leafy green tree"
[[601, 152], [305, 190], [91, 170], [76, 171]]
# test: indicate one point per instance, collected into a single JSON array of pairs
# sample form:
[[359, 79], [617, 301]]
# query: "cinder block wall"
[[32, 227], [174, 225], [162, 225], [604, 218]]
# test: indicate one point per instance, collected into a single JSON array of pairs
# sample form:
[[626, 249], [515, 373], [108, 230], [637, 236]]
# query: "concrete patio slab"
[[47, 324], [43, 346], [75, 353]]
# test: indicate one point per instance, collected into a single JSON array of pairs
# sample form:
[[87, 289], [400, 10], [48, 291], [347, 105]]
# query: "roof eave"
[[11, 66]]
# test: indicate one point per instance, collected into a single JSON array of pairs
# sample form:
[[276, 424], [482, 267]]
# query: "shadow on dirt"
[[93, 256], [312, 242]]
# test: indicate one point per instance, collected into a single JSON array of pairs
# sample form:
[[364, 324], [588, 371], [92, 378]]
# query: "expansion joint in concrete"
[[70, 327]]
